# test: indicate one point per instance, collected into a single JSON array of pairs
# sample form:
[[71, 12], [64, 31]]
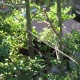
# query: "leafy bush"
[[15, 66], [20, 68], [73, 41], [52, 14]]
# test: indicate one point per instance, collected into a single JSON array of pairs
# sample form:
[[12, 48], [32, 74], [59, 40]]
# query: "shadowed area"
[[77, 18]]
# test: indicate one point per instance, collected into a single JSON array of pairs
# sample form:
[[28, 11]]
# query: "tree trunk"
[[29, 29], [60, 56]]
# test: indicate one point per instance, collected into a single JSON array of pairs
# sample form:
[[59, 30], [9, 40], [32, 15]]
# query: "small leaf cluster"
[[72, 41]]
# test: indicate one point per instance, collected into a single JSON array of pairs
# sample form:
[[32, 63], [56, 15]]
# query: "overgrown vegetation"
[[13, 37]]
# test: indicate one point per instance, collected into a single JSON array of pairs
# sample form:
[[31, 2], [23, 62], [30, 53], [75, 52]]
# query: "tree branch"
[[70, 52]]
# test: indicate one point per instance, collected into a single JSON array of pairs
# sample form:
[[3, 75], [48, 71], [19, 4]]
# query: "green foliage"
[[48, 36], [73, 41], [53, 14], [13, 65], [13, 36], [10, 30], [23, 69], [13, 1], [68, 76]]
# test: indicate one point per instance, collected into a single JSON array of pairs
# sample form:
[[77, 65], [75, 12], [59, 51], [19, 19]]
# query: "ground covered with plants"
[[15, 62]]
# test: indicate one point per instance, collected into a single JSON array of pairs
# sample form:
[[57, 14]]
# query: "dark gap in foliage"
[[77, 18]]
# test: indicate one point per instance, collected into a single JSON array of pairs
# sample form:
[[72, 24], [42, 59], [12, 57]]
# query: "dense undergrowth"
[[15, 66]]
